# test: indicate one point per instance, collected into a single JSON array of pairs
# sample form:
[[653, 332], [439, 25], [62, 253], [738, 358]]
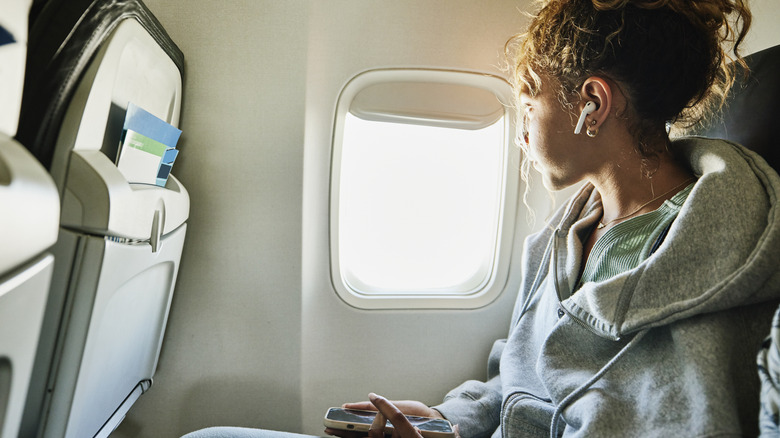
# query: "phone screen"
[[367, 417]]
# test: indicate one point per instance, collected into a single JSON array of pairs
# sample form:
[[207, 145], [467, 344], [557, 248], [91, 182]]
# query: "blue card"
[[149, 125]]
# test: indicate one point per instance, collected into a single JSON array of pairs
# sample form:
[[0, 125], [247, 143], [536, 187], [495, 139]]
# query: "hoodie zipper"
[[512, 396], [556, 284]]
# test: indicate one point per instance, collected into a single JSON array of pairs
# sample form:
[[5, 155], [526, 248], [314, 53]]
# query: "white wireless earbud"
[[589, 108]]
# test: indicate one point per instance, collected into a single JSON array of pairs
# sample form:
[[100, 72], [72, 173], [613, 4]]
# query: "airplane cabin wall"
[[256, 336]]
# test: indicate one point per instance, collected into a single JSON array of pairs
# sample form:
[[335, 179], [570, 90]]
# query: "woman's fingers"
[[377, 429], [402, 428], [361, 406]]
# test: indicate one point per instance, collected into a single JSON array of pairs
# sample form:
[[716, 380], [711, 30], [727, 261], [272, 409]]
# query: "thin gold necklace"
[[602, 225]]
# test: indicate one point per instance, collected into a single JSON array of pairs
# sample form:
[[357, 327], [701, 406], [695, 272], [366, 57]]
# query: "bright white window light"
[[419, 206], [423, 189]]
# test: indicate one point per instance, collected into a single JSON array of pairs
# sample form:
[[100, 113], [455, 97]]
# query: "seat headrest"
[[64, 37], [752, 112]]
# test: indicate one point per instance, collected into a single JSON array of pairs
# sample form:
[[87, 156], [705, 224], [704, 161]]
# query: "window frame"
[[492, 287]]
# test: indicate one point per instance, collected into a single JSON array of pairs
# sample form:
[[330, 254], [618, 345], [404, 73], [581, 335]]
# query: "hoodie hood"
[[722, 251]]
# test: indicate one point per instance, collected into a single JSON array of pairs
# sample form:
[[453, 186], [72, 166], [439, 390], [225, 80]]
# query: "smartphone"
[[360, 421]]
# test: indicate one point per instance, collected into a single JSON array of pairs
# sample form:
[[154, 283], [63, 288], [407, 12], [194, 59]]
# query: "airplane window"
[[419, 206], [420, 184]]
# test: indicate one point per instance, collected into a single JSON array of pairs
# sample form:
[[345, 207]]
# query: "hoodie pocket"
[[525, 415]]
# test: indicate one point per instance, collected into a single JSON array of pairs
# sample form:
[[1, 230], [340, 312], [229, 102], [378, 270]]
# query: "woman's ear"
[[597, 90]]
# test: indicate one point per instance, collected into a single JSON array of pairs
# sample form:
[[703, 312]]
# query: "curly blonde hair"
[[672, 58]]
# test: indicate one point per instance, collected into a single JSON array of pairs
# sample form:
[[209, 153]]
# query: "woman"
[[644, 301]]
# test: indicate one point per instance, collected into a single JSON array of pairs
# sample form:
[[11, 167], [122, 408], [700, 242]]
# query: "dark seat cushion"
[[752, 114]]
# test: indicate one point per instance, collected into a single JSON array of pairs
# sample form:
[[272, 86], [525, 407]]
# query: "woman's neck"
[[630, 185]]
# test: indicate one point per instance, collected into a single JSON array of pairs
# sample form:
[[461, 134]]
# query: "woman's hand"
[[395, 412], [408, 407], [402, 428]]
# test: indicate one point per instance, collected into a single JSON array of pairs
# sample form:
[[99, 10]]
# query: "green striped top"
[[627, 244]]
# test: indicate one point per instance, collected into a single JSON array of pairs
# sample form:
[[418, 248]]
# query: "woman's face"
[[553, 148]]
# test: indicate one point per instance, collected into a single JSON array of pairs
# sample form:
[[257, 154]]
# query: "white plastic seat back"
[[29, 216], [120, 242], [28, 226]]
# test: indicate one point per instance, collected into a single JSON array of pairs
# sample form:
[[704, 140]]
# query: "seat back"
[[111, 291], [64, 38], [750, 116], [29, 215]]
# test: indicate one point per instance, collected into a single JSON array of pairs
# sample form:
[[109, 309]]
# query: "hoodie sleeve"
[[474, 406]]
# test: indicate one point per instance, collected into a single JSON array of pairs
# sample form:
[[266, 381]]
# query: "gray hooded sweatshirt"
[[666, 349]]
